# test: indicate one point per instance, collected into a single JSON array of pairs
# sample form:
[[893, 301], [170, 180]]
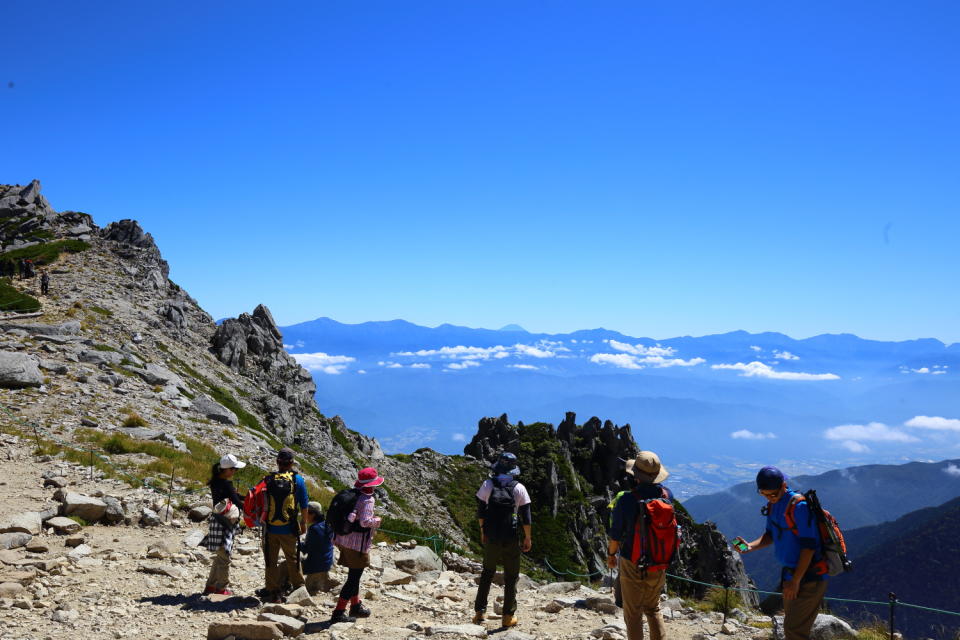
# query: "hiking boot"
[[209, 589], [340, 615], [509, 620], [359, 611], [223, 592], [478, 617], [272, 597]]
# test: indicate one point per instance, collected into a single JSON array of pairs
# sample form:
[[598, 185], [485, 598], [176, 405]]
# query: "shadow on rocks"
[[199, 602]]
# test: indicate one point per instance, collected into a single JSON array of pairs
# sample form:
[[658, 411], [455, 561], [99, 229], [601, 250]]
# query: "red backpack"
[[656, 534], [255, 505]]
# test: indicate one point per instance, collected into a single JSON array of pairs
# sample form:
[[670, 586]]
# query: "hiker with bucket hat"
[[643, 537], [502, 504], [223, 522], [354, 535], [797, 548]]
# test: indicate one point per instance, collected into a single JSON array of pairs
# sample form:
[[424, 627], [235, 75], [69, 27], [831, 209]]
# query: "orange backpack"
[[834, 559]]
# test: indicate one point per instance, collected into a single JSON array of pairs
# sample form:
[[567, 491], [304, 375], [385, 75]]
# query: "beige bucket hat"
[[647, 466]]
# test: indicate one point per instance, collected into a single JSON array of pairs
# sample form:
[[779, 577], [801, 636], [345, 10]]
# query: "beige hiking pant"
[[641, 598]]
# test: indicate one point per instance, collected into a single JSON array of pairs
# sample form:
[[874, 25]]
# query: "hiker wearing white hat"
[[223, 522]]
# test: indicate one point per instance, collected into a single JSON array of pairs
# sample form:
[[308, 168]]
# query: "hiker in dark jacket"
[[804, 573], [318, 549], [499, 532], [44, 283], [222, 530], [640, 588]]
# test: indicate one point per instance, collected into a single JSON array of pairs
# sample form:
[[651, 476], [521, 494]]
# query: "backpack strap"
[[788, 514]]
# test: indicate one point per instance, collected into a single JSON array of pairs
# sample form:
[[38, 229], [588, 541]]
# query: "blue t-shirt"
[[300, 495], [786, 546], [319, 548]]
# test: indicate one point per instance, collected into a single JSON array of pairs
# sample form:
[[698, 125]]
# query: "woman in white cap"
[[222, 525]]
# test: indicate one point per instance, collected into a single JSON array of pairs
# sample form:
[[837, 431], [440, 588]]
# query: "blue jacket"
[[786, 545], [318, 547], [625, 515]]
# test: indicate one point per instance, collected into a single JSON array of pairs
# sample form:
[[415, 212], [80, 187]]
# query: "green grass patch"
[[458, 496], [13, 300], [100, 310], [134, 420], [80, 521], [46, 252], [103, 347]]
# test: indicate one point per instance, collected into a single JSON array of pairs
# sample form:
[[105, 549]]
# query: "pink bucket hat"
[[368, 478]]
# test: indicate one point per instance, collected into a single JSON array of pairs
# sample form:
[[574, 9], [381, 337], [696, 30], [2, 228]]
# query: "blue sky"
[[659, 168]]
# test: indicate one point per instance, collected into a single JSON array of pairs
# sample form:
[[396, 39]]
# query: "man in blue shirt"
[[286, 497], [792, 531]]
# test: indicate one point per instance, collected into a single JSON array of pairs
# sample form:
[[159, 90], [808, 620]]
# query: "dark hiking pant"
[[506, 553]]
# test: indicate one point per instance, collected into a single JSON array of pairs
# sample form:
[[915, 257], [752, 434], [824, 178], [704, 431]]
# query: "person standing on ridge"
[[502, 504], [220, 538], [44, 284], [642, 578], [355, 546], [792, 530], [286, 501]]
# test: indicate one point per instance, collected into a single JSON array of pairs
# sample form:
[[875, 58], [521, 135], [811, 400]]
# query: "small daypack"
[[613, 505], [338, 513], [656, 534], [255, 505], [834, 559], [500, 521], [281, 498]]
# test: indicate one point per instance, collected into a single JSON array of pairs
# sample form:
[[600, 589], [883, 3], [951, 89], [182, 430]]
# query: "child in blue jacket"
[[318, 548]]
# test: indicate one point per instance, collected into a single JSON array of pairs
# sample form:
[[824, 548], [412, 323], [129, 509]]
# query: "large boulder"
[[248, 630], [63, 525], [213, 410], [86, 507], [825, 627], [18, 371], [28, 522], [289, 626], [418, 560], [14, 540]]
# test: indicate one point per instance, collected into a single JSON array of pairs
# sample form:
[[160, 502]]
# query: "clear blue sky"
[[661, 168]]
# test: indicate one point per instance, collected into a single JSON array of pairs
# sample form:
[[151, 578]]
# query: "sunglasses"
[[769, 494]]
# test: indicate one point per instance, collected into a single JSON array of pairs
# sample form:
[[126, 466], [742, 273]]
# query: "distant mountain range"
[[715, 406]]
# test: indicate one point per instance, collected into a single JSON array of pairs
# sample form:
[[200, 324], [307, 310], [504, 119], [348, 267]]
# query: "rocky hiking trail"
[[61, 579]]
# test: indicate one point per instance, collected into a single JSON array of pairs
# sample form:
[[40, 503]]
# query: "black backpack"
[[281, 498], [500, 521], [342, 505]]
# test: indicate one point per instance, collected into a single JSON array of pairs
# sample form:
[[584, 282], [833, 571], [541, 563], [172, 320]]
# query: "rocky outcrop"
[[19, 370], [573, 473], [252, 346], [26, 218]]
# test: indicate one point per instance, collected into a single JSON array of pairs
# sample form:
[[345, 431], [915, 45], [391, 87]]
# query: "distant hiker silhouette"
[[44, 283], [797, 547], [503, 510]]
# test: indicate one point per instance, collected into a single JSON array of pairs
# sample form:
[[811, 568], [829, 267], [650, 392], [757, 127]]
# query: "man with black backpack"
[[643, 538], [792, 529], [502, 505], [285, 501]]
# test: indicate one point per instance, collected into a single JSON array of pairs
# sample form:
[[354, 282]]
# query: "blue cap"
[[506, 465], [770, 478]]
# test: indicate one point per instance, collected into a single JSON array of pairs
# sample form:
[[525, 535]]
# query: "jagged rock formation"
[[572, 474], [26, 218]]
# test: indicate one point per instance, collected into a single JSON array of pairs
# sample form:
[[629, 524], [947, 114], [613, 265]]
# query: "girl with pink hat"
[[355, 546]]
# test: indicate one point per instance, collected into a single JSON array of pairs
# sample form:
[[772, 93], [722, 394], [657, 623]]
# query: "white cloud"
[[936, 370], [627, 361], [934, 422], [952, 470], [420, 365], [756, 348], [390, 365], [640, 350], [761, 370], [785, 355], [533, 352], [527, 367], [466, 364], [324, 363], [362, 371], [458, 352], [854, 446], [459, 437], [409, 439], [746, 434], [872, 432], [622, 360]]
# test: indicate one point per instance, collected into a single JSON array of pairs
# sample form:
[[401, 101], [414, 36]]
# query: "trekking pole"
[[173, 469], [893, 606], [36, 437]]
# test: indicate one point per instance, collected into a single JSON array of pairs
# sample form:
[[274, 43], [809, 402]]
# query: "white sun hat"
[[230, 461]]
